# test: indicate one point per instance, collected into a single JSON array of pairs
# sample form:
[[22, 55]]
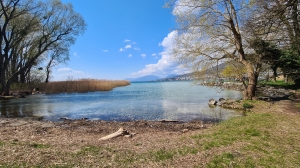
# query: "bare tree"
[[212, 31], [47, 24]]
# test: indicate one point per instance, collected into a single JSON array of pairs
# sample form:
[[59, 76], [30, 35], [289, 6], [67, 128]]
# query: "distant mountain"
[[189, 76], [184, 77], [144, 78], [171, 76]]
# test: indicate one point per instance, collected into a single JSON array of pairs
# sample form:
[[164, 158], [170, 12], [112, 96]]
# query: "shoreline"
[[171, 125], [269, 126]]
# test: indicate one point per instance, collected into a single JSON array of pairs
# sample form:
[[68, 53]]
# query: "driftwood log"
[[168, 121], [120, 132]]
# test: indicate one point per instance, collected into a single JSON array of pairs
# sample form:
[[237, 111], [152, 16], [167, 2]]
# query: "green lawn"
[[278, 83]]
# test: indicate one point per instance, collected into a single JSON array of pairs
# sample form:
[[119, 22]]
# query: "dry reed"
[[83, 85]]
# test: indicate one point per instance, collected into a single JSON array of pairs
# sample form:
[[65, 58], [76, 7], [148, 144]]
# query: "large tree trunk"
[[274, 73], [6, 83], [249, 92], [250, 87], [5, 88], [22, 77]]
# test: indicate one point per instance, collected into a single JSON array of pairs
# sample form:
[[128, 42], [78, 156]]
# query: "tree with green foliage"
[[234, 71], [29, 30], [270, 55], [278, 23]]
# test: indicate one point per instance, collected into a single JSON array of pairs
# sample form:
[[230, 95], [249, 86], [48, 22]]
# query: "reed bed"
[[80, 86]]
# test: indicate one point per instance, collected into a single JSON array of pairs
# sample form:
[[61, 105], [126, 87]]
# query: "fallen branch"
[[120, 132], [168, 121]]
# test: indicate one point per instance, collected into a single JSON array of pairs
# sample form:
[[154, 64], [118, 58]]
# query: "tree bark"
[[48, 71], [5, 87], [250, 87]]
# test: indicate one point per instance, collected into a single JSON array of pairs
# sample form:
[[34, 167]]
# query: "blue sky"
[[123, 39]]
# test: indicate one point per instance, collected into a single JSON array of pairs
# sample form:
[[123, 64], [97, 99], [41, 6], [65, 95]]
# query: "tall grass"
[[83, 85]]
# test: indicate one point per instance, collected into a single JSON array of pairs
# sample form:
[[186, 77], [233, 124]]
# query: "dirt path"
[[291, 106]]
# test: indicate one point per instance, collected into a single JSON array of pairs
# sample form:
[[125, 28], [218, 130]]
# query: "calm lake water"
[[139, 101]]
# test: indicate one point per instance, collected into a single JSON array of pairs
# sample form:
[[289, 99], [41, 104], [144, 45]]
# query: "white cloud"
[[64, 69], [121, 49], [127, 41], [130, 55], [165, 64], [136, 48], [75, 54], [69, 70], [128, 46], [154, 54], [105, 50], [167, 43], [143, 55]]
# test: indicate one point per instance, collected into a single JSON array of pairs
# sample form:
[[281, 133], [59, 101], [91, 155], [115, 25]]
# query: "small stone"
[[184, 130], [212, 102]]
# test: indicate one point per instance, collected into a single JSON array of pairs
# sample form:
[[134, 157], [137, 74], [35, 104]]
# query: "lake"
[[182, 101]]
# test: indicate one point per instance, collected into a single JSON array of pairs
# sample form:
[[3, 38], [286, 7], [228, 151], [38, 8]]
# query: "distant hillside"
[[171, 75], [189, 76], [175, 77], [215, 68], [144, 78]]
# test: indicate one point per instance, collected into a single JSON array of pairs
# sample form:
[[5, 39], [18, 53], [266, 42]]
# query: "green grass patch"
[[187, 150], [162, 155], [279, 83], [252, 132], [248, 105], [39, 146], [12, 165], [236, 129], [2, 144], [92, 150], [256, 140], [223, 160]]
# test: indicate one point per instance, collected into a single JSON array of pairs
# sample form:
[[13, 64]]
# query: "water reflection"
[[139, 101]]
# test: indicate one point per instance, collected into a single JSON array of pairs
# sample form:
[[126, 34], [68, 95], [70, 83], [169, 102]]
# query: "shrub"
[[248, 105]]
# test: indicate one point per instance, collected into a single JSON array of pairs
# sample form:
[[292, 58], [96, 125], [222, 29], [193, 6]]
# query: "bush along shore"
[[80, 86]]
